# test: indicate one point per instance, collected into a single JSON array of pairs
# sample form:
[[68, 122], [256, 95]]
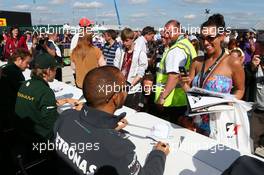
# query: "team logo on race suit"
[[232, 129]]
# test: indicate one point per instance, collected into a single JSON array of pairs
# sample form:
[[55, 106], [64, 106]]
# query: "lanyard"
[[204, 75]]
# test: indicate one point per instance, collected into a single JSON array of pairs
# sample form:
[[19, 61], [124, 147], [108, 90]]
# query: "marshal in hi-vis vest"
[[177, 97]]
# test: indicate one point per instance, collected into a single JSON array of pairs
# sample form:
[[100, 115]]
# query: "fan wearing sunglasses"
[[217, 71]]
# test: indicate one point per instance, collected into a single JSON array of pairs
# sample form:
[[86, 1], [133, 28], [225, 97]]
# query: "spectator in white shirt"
[[133, 62], [147, 35]]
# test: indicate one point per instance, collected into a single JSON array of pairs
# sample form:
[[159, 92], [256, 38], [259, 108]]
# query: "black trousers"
[[58, 74], [135, 101], [172, 114]]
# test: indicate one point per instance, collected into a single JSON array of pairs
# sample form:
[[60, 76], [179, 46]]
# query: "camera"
[[42, 41], [40, 44]]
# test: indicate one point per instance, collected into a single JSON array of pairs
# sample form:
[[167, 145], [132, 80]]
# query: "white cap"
[[192, 37]]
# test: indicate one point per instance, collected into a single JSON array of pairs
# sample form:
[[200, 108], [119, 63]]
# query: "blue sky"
[[139, 13]]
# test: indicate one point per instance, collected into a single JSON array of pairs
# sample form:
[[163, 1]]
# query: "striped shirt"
[[109, 52]]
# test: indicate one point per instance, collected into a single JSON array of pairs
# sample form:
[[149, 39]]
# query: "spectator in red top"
[[13, 42]]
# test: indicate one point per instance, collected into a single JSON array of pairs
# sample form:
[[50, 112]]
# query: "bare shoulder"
[[198, 60], [197, 63]]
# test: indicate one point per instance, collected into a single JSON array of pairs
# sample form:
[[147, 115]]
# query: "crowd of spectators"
[[222, 62]]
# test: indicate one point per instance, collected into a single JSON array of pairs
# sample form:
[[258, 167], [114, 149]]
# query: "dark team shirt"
[[11, 78], [87, 141], [36, 102]]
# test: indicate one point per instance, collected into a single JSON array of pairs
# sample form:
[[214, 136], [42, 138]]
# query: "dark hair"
[[148, 76], [232, 42], [214, 20], [127, 33], [97, 78], [20, 52], [196, 44], [148, 30], [112, 33], [13, 28]]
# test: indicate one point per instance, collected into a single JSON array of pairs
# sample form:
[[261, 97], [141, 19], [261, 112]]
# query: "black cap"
[[45, 61]]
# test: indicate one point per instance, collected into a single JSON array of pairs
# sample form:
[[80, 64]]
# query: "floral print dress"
[[216, 83]]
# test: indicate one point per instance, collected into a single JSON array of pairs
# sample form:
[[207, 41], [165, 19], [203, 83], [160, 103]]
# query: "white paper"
[[160, 131]]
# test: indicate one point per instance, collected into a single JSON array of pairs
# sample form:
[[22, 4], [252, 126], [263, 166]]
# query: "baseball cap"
[[192, 37], [45, 61]]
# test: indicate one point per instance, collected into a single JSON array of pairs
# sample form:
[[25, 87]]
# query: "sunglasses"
[[209, 38]]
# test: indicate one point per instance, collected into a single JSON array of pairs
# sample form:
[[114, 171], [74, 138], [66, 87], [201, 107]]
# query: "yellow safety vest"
[[177, 97]]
